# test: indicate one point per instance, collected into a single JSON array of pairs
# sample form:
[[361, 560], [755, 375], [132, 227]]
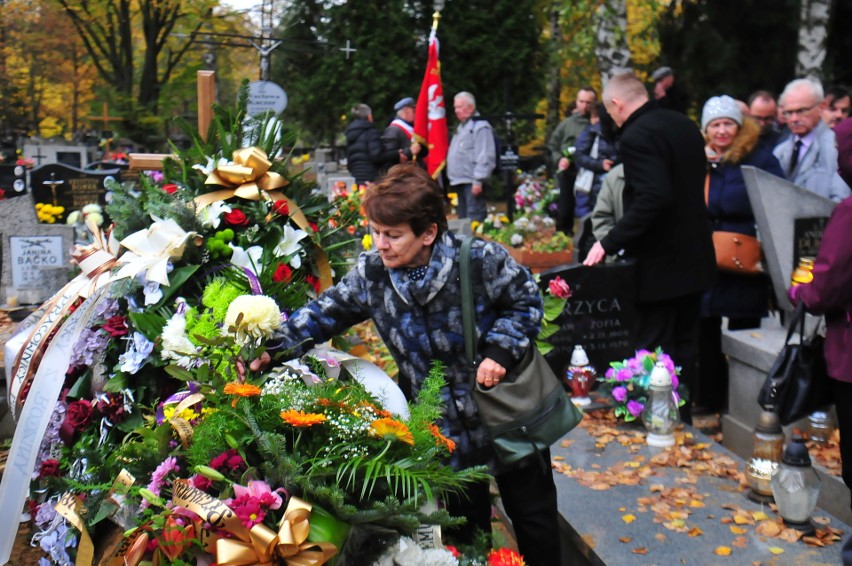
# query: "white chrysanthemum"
[[211, 215], [260, 318], [289, 245], [90, 208], [249, 258], [516, 240]]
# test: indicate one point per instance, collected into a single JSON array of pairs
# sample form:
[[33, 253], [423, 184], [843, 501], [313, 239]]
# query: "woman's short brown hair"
[[407, 195]]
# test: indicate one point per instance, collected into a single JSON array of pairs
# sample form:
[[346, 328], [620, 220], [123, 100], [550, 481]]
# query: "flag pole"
[[436, 15]]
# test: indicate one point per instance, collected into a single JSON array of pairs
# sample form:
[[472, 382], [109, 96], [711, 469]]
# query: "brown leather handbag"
[[735, 252]]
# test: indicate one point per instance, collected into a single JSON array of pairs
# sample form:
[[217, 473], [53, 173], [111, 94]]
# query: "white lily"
[[211, 165], [212, 215], [249, 258], [289, 245]]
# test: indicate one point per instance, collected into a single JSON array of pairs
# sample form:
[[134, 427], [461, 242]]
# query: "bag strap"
[[798, 319], [468, 312]]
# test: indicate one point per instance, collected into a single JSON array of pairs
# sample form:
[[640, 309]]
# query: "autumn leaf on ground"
[[660, 537], [776, 550], [696, 504], [740, 542], [790, 535], [628, 518], [722, 551], [768, 528], [743, 520], [600, 486], [640, 550], [759, 516], [821, 520], [695, 531], [738, 530], [812, 541], [625, 540]]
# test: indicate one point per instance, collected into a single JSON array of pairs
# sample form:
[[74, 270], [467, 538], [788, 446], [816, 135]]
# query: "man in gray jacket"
[[471, 158], [809, 155]]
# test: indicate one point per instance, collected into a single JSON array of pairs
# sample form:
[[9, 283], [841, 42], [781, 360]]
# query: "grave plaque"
[[599, 316], [32, 254], [70, 187], [13, 180]]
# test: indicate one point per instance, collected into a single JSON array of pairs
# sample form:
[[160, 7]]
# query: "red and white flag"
[[430, 121]]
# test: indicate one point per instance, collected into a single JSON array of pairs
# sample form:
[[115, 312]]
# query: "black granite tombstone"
[[70, 187], [807, 234], [13, 180], [599, 316]]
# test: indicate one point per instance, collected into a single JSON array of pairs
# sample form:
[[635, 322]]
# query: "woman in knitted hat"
[[732, 141]]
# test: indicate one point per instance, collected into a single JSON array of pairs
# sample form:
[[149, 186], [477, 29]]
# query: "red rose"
[[314, 226], [49, 469], [282, 273], [314, 281], [170, 188], [116, 326], [236, 218], [280, 207], [78, 415]]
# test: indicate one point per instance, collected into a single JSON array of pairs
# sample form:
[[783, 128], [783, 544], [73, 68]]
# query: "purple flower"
[[158, 478], [610, 373], [635, 408], [675, 381], [635, 365], [624, 375], [668, 362], [619, 393]]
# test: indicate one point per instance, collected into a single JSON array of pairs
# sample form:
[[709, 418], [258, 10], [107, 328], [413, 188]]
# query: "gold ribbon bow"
[[267, 547], [247, 177]]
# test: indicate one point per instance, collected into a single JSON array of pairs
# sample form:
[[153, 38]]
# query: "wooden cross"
[[206, 88], [348, 49], [106, 119]]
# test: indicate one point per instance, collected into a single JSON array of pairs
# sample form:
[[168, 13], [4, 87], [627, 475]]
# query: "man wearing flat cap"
[[667, 91], [398, 143]]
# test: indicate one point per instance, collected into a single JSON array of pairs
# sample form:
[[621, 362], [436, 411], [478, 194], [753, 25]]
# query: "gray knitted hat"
[[720, 107]]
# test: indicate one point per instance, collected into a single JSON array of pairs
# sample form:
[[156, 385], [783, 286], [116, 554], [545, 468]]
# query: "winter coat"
[[585, 202], [565, 135], [609, 207], [830, 292], [735, 295], [665, 225], [421, 321], [816, 169], [394, 139], [472, 156], [364, 152]]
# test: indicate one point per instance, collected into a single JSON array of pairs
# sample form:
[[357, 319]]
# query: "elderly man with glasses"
[[809, 155]]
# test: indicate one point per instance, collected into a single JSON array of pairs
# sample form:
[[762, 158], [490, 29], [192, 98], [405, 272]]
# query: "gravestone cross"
[[106, 119], [53, 183], [38, 156], [206, 92], [348, 49]]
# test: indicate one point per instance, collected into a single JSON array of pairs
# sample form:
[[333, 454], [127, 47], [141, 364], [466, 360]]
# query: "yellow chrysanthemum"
[[241, 390], [367, 242], [442, 440], [454, 198], [475, 224], [301, 418], [393, 430]]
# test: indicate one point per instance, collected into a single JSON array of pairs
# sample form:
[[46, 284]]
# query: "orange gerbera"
[[505, 557], [393, 430], [442, 440], [241, 390], [301, 418]]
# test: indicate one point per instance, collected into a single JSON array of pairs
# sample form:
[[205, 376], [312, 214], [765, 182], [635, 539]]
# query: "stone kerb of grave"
[[790, 221], [35, 256]]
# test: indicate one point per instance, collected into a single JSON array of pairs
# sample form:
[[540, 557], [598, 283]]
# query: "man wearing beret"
[[398, 138]]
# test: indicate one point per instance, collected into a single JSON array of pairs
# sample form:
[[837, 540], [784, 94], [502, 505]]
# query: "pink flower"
[[666, 360], [675, 381], [158, 478], [610, 373], [200, 482], [559, 288], [260, 491], [248, 509], [229, 460], [635, 408], [619, 393]]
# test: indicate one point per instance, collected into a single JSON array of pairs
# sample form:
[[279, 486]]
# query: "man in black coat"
[[398, 140], [665, 226], [364, 152]]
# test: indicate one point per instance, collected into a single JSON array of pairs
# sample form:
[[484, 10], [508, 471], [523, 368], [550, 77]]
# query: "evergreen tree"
[[323, 84]]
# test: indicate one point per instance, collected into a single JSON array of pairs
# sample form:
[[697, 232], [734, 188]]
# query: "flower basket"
[[540, 261]]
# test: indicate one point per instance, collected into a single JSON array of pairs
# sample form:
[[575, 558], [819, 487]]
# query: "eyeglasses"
[[764, 119], [798, 111]]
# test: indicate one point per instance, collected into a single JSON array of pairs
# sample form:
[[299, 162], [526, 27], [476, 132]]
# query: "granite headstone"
[[789, 221], [35, 256], [600, 315], [70, 187]]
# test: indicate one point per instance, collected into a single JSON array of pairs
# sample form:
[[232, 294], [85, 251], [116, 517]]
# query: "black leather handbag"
[[797, 383], [529, 409]]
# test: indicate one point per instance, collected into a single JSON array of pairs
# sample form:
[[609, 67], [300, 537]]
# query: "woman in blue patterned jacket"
[[409, 286]]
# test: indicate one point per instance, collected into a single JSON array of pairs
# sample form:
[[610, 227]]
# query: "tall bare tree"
[[611, 48], [813, 35]]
